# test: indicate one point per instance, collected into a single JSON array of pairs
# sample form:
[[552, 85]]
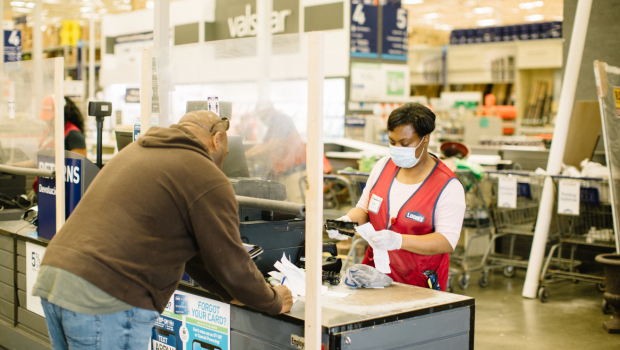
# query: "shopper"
[[413, 201], [74, 126], [157, 209]]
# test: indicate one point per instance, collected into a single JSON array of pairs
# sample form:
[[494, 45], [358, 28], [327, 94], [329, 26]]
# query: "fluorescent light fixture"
[[534, 18], [530, 5], [486, 22], [432, 15], [446, 27], [85, 9], [483, 10], [412, 2], [30, 5], [43, 28], [150, 4], [18, 3]]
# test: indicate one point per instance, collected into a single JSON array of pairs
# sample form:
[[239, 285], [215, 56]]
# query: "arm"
[[215, 225], [430, 244], [358, 215]]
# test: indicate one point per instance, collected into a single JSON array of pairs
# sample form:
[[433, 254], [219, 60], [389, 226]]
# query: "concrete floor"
[[571, 319]]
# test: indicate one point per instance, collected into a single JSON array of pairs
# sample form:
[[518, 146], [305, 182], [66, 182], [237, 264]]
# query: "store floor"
[[571, 319]]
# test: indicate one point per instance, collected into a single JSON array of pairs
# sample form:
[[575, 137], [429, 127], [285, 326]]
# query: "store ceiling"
[[457, 14], [438, 14]]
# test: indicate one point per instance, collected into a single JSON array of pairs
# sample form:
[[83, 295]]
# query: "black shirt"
[[75, 139]]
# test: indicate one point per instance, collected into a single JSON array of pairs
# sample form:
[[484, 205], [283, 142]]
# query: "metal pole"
[[271, 205], [15, 170], [556, 154], [91, 57]]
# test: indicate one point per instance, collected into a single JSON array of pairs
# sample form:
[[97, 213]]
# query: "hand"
[[386, 239], [287, 298], [334, 234], [236, 302]]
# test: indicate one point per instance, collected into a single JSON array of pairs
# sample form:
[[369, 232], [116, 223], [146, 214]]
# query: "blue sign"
[[395, 37], [364, 26], [12, 45], [47, 193]]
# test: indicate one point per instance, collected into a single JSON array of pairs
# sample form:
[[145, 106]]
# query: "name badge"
[[375, 204]]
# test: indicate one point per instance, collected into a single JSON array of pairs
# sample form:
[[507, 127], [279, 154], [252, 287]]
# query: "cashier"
[[159, 208], [413, 201]]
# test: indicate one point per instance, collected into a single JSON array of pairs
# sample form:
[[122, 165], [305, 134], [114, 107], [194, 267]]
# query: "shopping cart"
[[478, 218], [591, 225]]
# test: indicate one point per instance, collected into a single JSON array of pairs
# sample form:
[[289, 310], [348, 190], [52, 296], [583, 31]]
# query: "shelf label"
[[568, 197], [507, 192]]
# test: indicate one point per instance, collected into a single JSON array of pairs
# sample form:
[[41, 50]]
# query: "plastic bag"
[[364, 276]]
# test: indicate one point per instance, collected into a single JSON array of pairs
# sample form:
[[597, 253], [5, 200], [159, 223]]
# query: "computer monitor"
[[235, 164], [123, 138]]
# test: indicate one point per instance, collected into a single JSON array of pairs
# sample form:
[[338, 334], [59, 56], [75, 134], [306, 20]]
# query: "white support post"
[[161, 29], [91, 57], [59, 139], [37, 35], [146, 92], [556, 154], [314, 194], [161, 39]]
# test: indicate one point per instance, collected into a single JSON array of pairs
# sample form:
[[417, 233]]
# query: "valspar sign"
[[238, 18]]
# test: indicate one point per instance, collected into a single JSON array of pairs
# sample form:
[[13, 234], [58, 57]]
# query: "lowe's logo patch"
[[415, 216]]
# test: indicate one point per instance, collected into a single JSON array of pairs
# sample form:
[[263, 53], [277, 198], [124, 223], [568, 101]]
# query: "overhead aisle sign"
[[364, 30], [394, 34], [12, 45]]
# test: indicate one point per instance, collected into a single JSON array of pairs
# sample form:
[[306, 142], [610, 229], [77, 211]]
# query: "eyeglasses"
[[224, 121]]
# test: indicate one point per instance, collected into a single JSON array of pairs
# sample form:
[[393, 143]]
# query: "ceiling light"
[[150, 4], [85, 9], [43, 28], [534, 18], [18, 3], [446, 27], [483, 10], [412, 2], [486, 22], [24, 10], [30, 5], [530, 5], [433, 15]]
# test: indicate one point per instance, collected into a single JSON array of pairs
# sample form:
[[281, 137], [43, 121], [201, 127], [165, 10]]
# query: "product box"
[[190, 322]]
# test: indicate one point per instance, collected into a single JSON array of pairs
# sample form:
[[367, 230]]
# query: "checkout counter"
[[400, 316]]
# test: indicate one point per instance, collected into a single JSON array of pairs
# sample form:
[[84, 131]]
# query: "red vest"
[[416, 217]]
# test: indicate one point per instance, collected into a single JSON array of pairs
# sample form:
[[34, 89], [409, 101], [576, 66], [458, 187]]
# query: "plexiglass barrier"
[[261, 85], [26, 111]]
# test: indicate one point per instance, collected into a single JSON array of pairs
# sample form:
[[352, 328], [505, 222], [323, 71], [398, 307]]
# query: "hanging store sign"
[[394, 34], [379, 82], [569, 197], [12, 45], [364, 30], [507, 192], [239, 18]]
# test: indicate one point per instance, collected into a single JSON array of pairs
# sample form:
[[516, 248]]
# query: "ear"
[[217, 140]]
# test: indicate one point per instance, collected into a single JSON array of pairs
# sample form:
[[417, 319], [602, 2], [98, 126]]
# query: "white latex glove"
[[334, 234], [386, 239]]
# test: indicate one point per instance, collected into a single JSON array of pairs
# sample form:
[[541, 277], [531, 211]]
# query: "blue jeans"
[[126, 330]]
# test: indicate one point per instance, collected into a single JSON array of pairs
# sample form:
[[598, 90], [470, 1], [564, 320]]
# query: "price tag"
[[568, 197], [34, 255], [11, 109], [507, 192]]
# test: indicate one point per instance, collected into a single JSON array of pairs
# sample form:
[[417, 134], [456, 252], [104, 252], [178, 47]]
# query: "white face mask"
[[404, 157]]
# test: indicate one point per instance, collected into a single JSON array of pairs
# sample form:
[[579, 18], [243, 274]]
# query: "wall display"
[[190, 322], [507, 192], [379, 82], [47, 192], [364, 30], [12, 45], [394, 34], [34, 255]]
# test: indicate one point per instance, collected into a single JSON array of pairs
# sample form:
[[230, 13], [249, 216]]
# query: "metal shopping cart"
[[478, 218], [584, 217]]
